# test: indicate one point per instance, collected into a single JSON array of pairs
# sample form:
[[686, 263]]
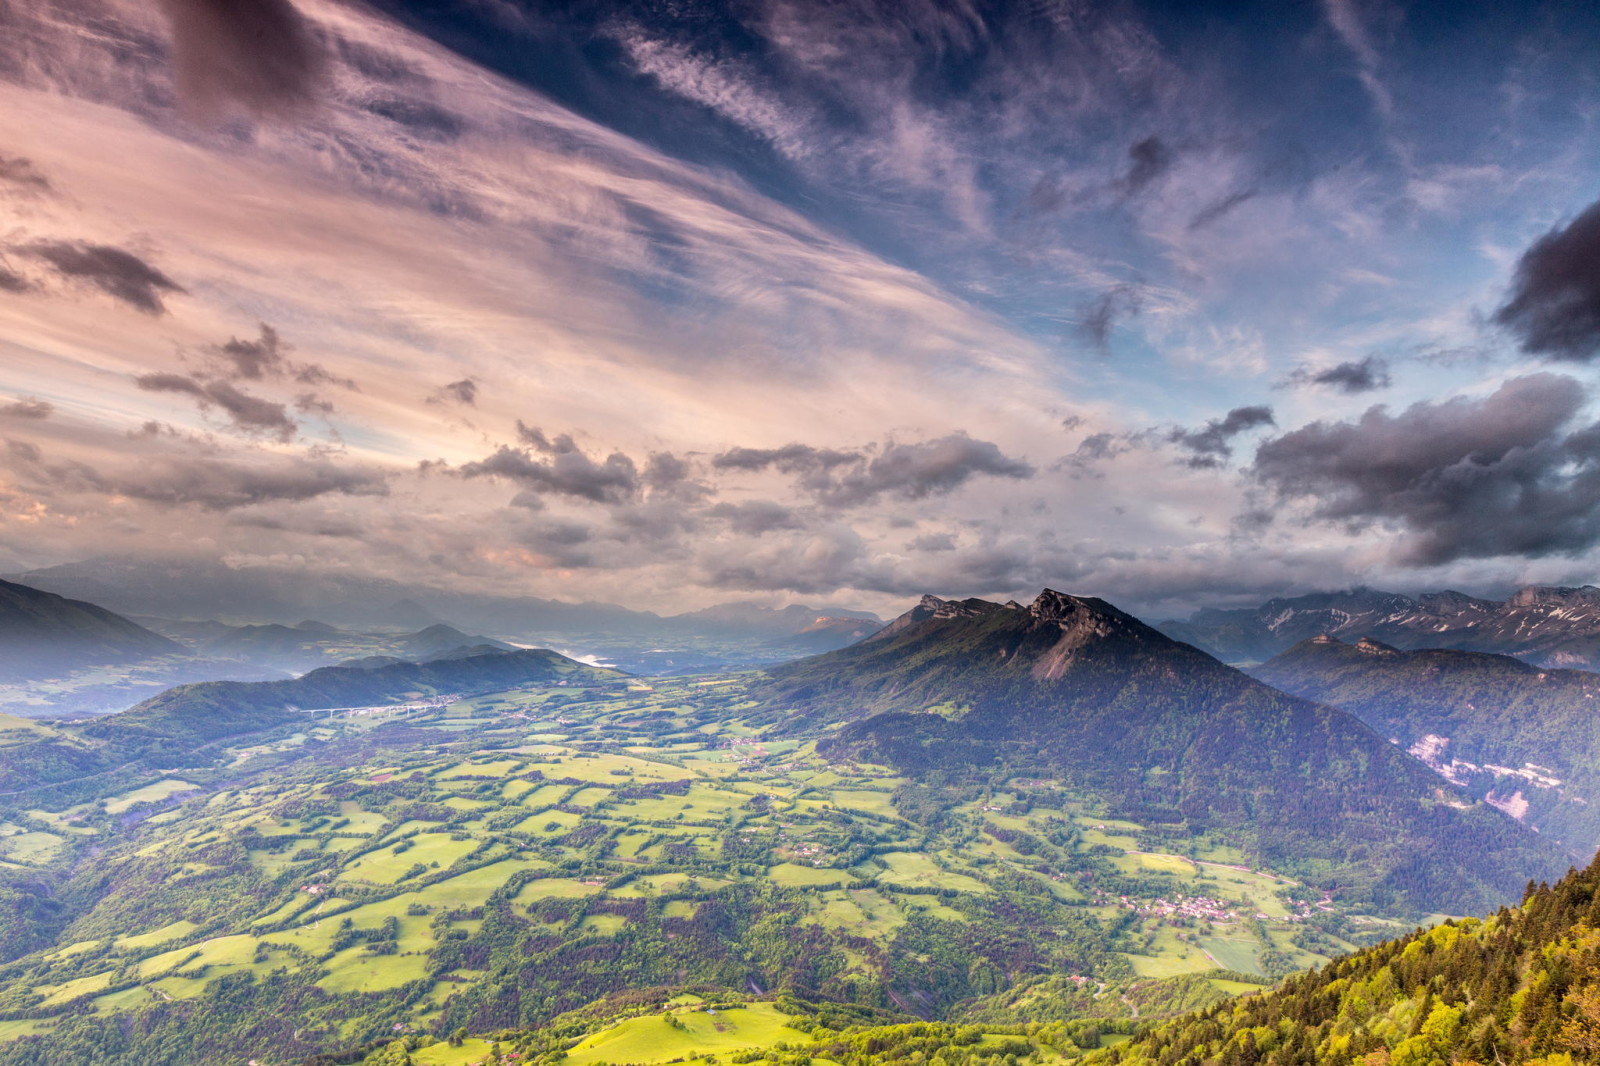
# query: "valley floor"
[[504, 860]]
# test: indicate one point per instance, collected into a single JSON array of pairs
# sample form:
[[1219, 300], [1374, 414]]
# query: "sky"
[[827, 301]]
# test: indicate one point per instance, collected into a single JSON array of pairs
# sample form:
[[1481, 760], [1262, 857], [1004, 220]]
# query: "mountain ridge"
[[1075, 688], [41, 630], [1523, 737], [1547, 625]]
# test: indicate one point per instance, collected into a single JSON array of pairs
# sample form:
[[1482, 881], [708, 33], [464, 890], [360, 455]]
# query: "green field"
[[511, 837], [1234, 954], [698, 1032], [152, 793]]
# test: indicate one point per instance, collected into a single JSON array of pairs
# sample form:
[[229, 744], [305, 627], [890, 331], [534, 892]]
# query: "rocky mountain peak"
[[1053, 606], [1368, 646], [1555, 596]]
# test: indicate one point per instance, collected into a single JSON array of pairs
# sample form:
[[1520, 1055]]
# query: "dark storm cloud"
[[464, 392], [567, 470], [114, 271], [258, 55], [1352, 377], [1212, 445], [27, 407], [908, 471], [248, 414], [1465, 478], [1553, 307], [755, 517]]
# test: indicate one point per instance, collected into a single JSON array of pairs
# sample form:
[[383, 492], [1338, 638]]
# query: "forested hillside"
[[171, 725], [1074, 689], [1521, 986], [1524, 738]]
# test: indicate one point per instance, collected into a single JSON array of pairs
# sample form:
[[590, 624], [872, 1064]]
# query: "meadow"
[[414, 865]]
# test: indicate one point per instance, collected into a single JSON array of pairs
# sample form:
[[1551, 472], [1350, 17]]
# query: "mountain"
[[827, 634], [1548, 626], [171, 725], [733, 633], [441, 639], [44, 635], [309, 645], [214, 709], [750, 619], [1076, 690], [1524, 739], [1521, 986], [197, 588]]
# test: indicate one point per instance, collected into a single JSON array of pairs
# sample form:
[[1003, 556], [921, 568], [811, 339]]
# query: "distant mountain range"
[[1075, 690], [1523, 738], [1547, 626], [199, 589], [67, 656], [164, 595], [172, 725], [41, 633]]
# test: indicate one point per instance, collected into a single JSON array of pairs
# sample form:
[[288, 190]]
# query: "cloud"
[[254, 360], [668, 475], [213, 483], [789, 459], [464, 392], [22, 174], [1217, 209], [567, 472], [1463, 478], [248, 414], [260, 56], [726, 87], [1097, 447], [268, 357], [931, 468], [1553, 307], [1348, 23], [1148, 160], [1212, 445], [753, 518], [906, 471], [27, 407], [1119, 301], [115, 271], [1351, 377]]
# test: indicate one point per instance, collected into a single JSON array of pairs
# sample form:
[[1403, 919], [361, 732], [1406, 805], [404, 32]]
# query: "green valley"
[[510, 858]]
